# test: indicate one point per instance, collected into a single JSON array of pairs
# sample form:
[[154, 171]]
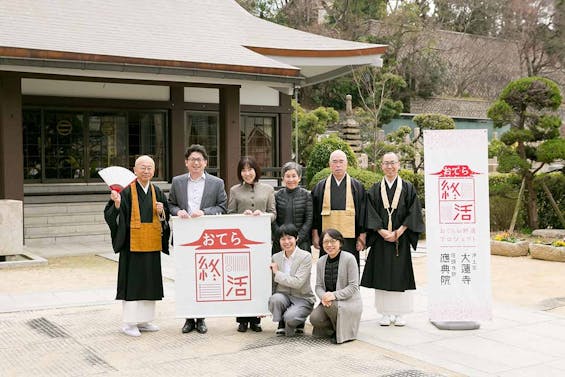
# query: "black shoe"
[[281, 328], [299, 329], [201, 326], [242, 327], [255, 327], [188, 326], [333, 338]]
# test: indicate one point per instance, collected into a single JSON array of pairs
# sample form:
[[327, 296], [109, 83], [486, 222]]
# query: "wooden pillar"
[[286, 142], [177, 149], [11, 138], [230, 135]]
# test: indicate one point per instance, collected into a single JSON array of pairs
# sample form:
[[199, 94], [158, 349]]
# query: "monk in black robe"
[[354, 233], [133, 217], [394, 221]]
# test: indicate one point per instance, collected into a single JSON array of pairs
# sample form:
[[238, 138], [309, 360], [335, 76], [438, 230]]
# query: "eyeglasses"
[[330, 242], [198, 159], [338, 161], [390, 163]]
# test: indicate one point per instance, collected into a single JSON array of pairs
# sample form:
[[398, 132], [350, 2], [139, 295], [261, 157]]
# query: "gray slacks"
[[324, 319], [292, 310]]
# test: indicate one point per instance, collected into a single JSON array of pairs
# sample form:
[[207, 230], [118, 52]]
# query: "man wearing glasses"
[[339, 203], [196, 194], [394, 223]]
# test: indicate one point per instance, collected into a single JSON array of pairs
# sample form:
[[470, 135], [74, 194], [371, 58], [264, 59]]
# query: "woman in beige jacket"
[[251, 197]]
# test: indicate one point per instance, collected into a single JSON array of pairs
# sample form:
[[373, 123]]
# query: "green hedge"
[[320, 156], [555, 182], [503, 193], [366, 177], [504, 189]]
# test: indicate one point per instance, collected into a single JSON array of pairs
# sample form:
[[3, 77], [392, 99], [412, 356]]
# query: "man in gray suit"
[[196, 194], [293, 299]]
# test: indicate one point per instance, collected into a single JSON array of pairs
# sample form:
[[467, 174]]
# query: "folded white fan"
[[117, 177]]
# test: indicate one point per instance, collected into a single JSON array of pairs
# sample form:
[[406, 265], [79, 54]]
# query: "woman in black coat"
[[294, 206]]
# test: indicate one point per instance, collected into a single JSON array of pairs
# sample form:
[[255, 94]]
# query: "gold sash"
[[144, 237], [391, 207], [342, 220]]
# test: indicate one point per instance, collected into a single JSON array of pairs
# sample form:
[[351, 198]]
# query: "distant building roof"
[[215, 35], [454, 107]]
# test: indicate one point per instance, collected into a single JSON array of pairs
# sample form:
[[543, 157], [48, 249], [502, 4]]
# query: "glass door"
[[107, 141], [64, 145]]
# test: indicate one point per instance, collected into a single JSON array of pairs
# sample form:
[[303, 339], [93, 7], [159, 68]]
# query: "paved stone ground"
[[61, 320], [85, 341]]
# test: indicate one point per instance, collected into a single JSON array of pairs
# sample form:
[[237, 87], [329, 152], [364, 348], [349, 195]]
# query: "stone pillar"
[[285, 129], [11, 227], [11, 138], [230, 135], [177, 150]]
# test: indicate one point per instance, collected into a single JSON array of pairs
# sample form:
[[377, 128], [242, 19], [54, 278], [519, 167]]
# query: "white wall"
[[201, 95], [63, 88], [250, 94]]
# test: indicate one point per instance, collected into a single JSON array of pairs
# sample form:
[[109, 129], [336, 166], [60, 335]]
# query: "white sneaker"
[[149, 327], [385, 320], [399, 321], [131, 330]]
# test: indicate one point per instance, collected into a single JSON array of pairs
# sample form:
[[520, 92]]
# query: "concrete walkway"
[[75, 332]]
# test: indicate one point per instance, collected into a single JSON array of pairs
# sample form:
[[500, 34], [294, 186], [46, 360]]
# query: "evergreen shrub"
[[320, 156]]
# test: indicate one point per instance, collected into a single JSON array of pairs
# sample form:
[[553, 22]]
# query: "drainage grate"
[[408, 373], [553, 303], [96, 361], [309, 341], [47, 327]]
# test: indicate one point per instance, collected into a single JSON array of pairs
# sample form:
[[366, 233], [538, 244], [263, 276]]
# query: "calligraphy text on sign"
[[457, 266], [223, 265], [223, 276], [456, 195]]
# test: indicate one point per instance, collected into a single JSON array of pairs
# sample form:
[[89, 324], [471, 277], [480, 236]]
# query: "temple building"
[[90, 84]]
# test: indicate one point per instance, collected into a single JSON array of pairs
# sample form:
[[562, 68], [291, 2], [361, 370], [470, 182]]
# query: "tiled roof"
[[216, 34], [454, 107]]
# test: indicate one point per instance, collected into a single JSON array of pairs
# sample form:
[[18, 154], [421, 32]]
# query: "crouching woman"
[[337, 286]]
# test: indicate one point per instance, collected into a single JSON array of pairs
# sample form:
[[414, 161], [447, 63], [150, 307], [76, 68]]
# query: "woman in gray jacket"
[[337, 287]]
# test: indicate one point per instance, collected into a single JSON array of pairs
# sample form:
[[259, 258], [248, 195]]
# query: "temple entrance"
[[73, 145]]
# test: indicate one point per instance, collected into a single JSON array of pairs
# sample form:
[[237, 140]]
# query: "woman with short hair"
[[293, 206], [337, 287]]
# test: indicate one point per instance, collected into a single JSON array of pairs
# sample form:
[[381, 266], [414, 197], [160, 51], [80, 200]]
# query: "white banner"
[[222, 265], [457, 225]]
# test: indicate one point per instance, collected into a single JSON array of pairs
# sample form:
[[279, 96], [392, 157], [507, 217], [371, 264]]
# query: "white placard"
[[457, 225], [222, 265]]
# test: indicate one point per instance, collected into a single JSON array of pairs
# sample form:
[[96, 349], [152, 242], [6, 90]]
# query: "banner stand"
[[456, 325]]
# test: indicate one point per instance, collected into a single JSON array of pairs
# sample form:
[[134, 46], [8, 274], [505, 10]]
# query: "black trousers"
[[254, 320]]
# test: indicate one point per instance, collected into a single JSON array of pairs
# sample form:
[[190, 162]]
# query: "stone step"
[[35, 210], [62, 230], [69, 239], [58, 219]]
